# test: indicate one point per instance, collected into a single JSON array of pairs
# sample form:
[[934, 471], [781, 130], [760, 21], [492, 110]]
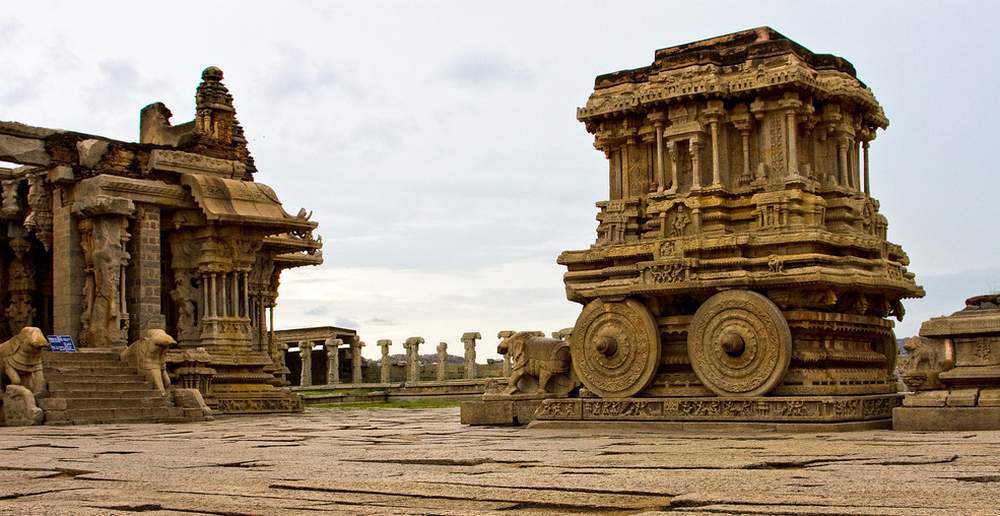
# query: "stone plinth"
[[953, 368]]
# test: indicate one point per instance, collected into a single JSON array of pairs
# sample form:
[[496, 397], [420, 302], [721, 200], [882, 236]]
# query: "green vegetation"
[[387, 405], [331, 392]]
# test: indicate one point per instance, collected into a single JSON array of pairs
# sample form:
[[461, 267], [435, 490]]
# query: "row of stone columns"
[[332, 346], [412, 347]]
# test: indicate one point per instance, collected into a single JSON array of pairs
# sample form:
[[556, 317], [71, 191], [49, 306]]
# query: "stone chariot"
[[741, 270]]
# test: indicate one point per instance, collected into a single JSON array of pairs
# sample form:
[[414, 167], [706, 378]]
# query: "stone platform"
[[424, 462], [772, 413], [954, 419]]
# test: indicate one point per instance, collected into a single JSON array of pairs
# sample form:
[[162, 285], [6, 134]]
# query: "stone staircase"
[[95, 386]]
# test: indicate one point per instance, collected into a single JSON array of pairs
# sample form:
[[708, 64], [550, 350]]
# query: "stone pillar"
[[21, 283], [103, 236], [67, 268], [695, 152], [356, 360], [842, 160], [672, 148], [469, 340], [857, 165], [305, 352], [442, 362], [145, 297], [213, 297], [714, 112], [793, 148], [716, 172], [333, 360], [412, 346], [868, 191], [626, 168], [386, 365]]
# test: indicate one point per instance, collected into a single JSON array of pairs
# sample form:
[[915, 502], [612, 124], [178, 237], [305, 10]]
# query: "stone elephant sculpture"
[[21, 359], [540, 361], [148, 354]]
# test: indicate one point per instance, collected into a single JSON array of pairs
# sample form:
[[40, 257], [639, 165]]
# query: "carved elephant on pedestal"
[[148, 354], [534, 359], [21, 359]]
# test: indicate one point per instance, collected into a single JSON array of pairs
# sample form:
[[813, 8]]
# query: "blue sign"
[[62, 343]]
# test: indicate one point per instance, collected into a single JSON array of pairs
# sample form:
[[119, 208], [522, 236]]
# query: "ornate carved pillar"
[[695, 152], [385, 365], [790, 103], [469, 340], [659, 118], [333, 360], [305, 353], [103, 236], [442, 361], [672, 149], [713, 114], [627, 167], [867, 135], [842, 147], [21, 285], [356, 360]]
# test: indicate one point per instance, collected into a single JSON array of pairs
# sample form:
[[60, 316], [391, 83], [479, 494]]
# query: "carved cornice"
[[186, 162]]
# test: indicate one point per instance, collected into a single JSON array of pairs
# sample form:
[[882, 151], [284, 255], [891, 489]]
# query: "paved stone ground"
[[424, 462]]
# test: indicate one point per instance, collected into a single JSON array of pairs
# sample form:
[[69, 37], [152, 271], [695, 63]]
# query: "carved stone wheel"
[[739, 344], [615, 348]]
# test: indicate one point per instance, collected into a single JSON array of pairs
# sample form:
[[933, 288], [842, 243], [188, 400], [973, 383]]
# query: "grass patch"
[[329, 392], [386, 405]]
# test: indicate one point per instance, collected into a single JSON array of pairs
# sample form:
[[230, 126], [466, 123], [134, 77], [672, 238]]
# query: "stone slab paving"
[[424, 462]]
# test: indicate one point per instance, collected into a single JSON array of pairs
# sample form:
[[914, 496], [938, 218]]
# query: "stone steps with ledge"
[[90, 387]]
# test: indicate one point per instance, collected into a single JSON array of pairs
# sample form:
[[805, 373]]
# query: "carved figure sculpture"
[[546, 361], [21, 358], [183, 295], [148, 354], [19, 407]]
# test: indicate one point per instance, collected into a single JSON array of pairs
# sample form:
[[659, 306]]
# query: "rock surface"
[[423, 461]]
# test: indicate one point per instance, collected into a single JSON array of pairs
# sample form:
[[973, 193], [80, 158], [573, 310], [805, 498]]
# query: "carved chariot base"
[[782, 412]]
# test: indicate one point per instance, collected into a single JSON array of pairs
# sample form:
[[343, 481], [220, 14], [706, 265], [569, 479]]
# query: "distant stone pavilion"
[[104, 239]]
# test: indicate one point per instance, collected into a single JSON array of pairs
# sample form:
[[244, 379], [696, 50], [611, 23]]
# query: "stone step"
[[115, 403], [107, 415], [73, 358], [99, 370], [95, 378], [91, 393], [137, 384]]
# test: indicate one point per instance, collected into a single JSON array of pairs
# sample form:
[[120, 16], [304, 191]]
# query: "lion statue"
[[148, 354], [539, 361], [21, 358]]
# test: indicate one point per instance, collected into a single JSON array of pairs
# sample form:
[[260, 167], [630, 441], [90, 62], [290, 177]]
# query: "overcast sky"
[[437, 143]]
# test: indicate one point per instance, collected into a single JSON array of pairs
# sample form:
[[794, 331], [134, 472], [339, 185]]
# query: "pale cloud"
[[484, 69]]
